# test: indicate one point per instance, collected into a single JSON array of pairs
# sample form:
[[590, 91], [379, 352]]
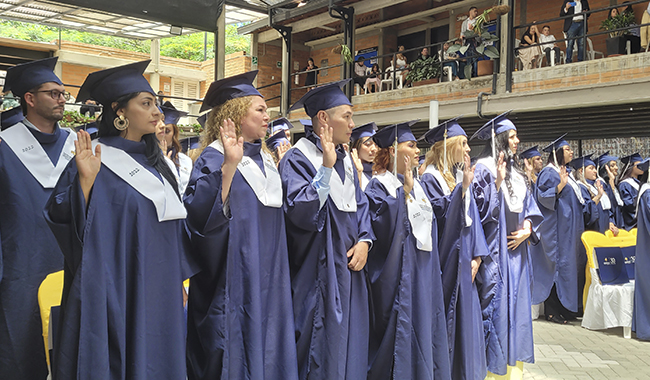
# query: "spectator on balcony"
[[424, 54], [548, 40], [573, 26], [634, 32], [360, 72], [401, 63], [373, 82], [90, 108], [469, 22], [645, 30], [311, 75], [453, 66], [528, 55]]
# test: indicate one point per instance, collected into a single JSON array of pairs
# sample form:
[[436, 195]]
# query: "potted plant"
[[480, 40], [616, 40], [424, 71]]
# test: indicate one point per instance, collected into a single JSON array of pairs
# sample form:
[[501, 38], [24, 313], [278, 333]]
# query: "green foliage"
[[622, 20], [189, 46], [423, 69], [73, 119]]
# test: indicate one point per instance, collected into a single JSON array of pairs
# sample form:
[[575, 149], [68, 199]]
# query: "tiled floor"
[[572, 352]]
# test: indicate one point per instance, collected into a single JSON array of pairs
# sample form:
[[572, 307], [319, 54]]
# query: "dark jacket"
[[569, 20]]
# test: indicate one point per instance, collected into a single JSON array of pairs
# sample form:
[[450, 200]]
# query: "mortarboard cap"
[[202, 119], [91, 128], [11, 117], [581, 162], [323, 98], [106, 86], [26, 76], [189, 143], [500, 124], [307, 124], [275, 140], [366, 130], [421, 159], [437, 133], [233, 87], [605, 158], [530, 152], [401, 132], [172, 115], [644, 165], [279, 124], [555, 145], [631, 159]]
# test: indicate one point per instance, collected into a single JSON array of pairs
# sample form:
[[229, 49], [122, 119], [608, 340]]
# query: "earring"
[[121, 123]]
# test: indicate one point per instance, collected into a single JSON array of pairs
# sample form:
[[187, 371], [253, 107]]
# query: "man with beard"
[[33, 153]]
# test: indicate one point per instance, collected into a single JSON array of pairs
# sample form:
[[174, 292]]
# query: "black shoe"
[[556, 319]]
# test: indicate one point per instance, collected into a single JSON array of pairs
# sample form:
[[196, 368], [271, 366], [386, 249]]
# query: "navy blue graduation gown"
[[592, 212], [458, 244], [240, 320], [628, 195], [122, 308], [506, 304], [601, 218], [557, 257], [641, 316], [330, 301], [28, 253], [617, 211], [408, 335]]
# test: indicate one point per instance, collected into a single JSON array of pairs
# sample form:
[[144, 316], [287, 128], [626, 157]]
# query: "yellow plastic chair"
[[621, 233], [49, 295]]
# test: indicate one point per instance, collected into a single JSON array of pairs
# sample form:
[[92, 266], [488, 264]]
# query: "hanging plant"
[[344, 50]]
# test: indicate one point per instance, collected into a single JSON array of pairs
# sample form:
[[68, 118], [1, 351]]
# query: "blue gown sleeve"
[[547, 182], [533, 213], [590, 210], [302, 203], [628, 195], [439, 201], [205, 210], [366, 232], [486, 195]]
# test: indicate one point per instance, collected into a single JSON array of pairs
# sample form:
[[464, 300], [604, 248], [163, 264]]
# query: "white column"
[[154, 78], [220, 46], [434, 108]]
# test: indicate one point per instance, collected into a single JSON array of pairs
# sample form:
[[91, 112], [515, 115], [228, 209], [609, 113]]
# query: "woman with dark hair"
[[373, 81], [529, 55], [408, 334], [510, 217], [172, 147], [461, 245], [240, 315], [312, 73], [599, 216], [628, 187], [363, 151], [119, 220], [607, 172], [558, 264]]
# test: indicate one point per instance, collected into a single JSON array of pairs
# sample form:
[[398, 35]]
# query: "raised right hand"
[[88, 164], [233, 147], [408, 175], [329, 148], [356, 160], [468, 172], [501, 170], [564, 178]]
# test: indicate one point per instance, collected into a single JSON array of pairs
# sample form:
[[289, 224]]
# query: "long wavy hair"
[[435, 157], [176, 144], [383, 160], [153, 153]]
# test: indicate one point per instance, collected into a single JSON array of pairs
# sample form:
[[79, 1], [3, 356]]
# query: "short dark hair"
[[471, 9], [23, 103], [311, 59], [546, 26]]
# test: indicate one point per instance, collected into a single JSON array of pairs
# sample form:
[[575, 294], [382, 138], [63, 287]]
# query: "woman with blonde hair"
[[461, 244], [240, 320]]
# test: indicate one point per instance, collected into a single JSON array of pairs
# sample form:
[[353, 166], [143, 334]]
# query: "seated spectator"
[[453, 66], [373, 82], [424, 54], [401, 63], [548, 40], [89, 108], [634, 32], [360, 72], [528, 56], [645, 30]]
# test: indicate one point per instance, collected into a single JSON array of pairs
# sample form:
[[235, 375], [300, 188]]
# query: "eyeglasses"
[[55, 94]]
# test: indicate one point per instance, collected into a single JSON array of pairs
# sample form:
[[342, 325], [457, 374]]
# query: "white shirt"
[[543, 39], [577, 9], [465, 26]]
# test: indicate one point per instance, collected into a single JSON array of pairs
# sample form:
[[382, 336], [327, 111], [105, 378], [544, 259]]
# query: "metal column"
[[347, 16], [285, 100]]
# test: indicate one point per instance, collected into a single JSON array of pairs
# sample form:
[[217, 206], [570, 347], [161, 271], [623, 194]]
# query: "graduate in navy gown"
[[628, 187], [329, 234], [363, 151], [510, 217], [461, 245], [33, 154], [408, 335], [641, 315], [119, 221], [240, 323], [559, 259], [11, 117], [600, 216], [182, 164], [533, 163], [280, 128], [607, 167]]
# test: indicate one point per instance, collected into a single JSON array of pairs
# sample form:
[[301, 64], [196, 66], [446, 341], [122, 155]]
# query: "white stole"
[[431, 169], [517, 181], [644, 187], [343, 194], [267, 188], [605, 203], [630, 181], [617, 196], [161, 194], [30, 152], [364, 180], [420, 213], [571, 182]]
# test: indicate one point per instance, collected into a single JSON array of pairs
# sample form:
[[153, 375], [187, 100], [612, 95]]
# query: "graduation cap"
[[421, 159], [202, 119], [530, 153], [494, 127], [582, 162], [172, 115], [307, 124], [11, 117], [630, 160], [393, 135], [605, 158], [26, 76], [233, 87], [554, 146], [106, 86], [189, 143], [366, 130], [644, 165], [275, 140], [323, 98], [442, 132], [280, 124], [91, 128]]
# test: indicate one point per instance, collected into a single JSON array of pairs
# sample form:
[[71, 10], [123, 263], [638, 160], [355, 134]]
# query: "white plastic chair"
[[388, 79], [591, 53]]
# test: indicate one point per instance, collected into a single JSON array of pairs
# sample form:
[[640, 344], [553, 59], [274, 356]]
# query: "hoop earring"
[[120, 123]]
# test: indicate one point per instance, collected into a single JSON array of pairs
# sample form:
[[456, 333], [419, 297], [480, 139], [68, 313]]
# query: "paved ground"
[[572, 352]]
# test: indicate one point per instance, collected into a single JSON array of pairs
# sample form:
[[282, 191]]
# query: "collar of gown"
[[124, 144], [252, 149], [43, 138]]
